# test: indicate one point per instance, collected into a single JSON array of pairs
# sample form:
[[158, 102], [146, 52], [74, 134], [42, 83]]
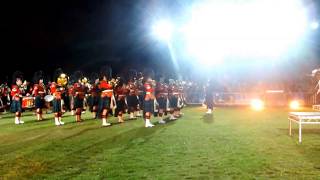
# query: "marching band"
[[136, 94]]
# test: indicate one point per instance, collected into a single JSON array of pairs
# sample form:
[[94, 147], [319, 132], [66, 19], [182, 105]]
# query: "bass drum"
[[48, 98], [28, 102]]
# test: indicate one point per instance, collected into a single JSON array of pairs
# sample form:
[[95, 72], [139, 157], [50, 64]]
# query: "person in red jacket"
[[106, 100], [38, 92], [16, 94]]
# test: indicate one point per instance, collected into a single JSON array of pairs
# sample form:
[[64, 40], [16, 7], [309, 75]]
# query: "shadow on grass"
[[208, 118]]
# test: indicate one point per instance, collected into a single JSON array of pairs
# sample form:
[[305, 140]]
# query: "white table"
[[303, 118]]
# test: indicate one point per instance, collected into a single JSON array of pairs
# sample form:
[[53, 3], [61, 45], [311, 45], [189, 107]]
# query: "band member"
[[71, 99], [93, 99], [5, 96], [57, 107], [162, 98], [181, 98], [16, 94], [62, 82], [79, 95], [86, 86], [121, 92], [173, 99], [209, 97], [38, 92], [148, 103], [132, 98], [140, 93], [106, 98]]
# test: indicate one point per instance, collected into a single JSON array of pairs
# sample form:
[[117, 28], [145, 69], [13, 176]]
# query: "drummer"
[[39, 92]]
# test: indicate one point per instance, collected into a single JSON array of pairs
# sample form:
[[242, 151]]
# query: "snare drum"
[[28, 102]]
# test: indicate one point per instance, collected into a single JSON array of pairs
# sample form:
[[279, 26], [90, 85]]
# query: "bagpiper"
[[173, 99], [62, 80], [120, 97], [56, 103], [148, 102], [79, 95], [39, 91], [93, 99], [106, 100], [57, 89], [17, 91], [132, 99], [162, 99]]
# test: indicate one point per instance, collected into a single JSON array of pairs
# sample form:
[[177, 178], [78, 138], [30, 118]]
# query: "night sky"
[[75, 34], [83, 34]]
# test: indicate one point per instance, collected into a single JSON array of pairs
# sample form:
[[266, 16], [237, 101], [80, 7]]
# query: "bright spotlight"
[[257, 104], [163, 30], [314, 25], [220, 29], [294, 105]]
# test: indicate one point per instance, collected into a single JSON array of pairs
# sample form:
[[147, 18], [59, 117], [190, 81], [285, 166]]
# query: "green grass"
[[235, 143]]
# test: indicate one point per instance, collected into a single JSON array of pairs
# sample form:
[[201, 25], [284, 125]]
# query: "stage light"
[[163, 30], [314, 25], [219, 29], [294, 105], [257, 104]]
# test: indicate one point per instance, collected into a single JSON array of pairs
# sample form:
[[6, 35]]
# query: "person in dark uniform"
[[209, 96]]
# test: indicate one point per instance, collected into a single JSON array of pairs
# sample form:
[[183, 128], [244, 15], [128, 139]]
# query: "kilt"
[[93, 101], [133, 102], [39, 102], [121, 106], [173, 102], [162, 101], [15, 106], [56, 103], [104, 103], [78, 102], [148, 106]]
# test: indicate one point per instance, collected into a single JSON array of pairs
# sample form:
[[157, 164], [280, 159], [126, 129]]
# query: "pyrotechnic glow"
[[294, 105], [257, 104], [163, 30], [260, 28]]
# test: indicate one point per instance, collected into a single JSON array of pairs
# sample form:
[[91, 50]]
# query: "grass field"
[[235, 143]]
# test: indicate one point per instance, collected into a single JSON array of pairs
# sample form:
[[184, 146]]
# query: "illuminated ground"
[[235, 143]]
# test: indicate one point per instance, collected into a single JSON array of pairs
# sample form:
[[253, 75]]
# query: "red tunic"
[[106, 89], [79, 90], [53, 88], [38, 90]]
